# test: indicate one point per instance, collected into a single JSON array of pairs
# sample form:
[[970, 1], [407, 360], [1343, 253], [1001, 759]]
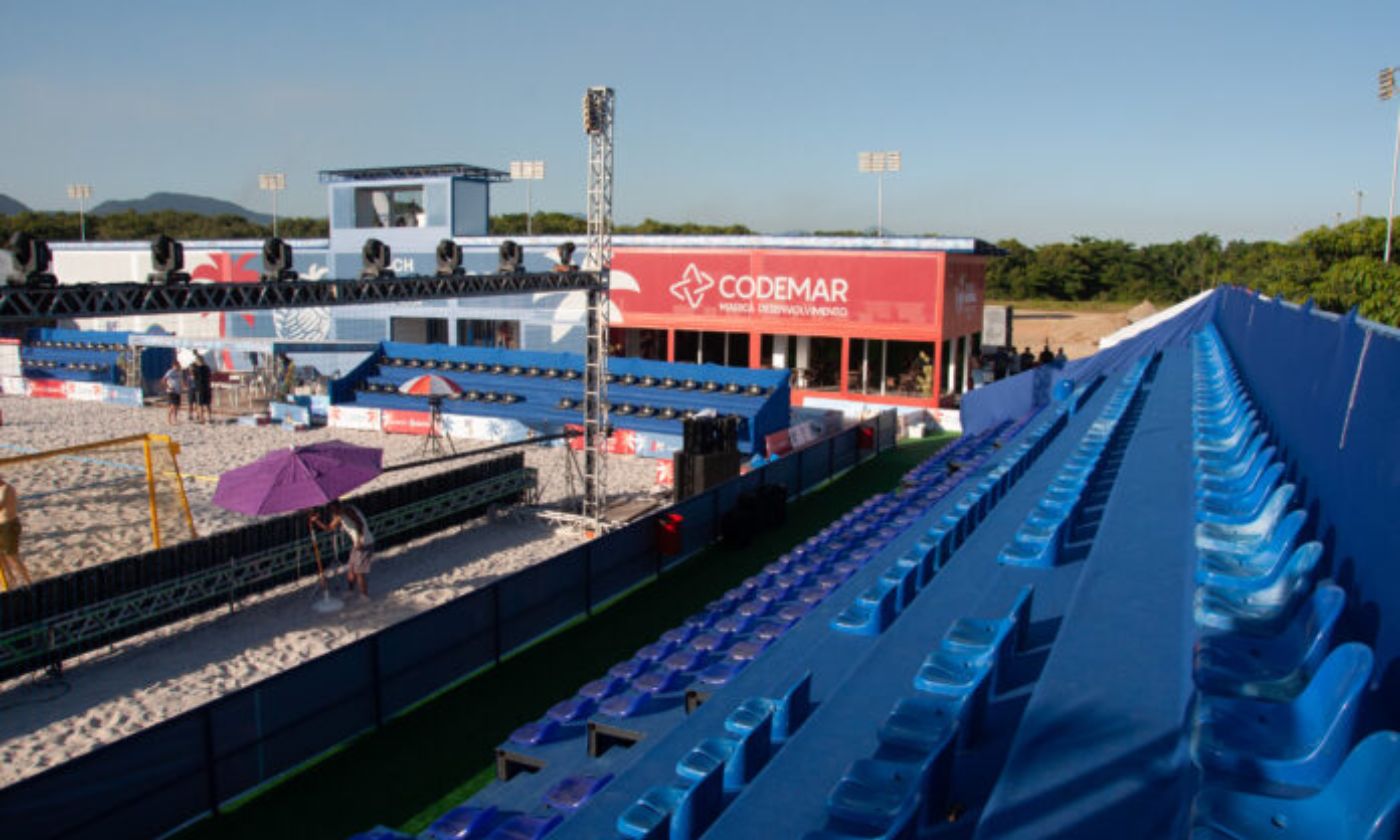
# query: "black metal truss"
[[89, 300]]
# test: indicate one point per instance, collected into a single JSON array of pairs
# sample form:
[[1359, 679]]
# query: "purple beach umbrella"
[[297, 478]]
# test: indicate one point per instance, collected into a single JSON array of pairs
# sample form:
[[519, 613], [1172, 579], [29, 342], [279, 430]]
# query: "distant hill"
[[182, 202], [9, 207]]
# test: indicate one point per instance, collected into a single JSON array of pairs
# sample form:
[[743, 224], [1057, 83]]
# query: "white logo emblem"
[[692, 286]]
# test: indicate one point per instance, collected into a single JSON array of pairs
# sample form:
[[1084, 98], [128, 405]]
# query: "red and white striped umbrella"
[[429, 385]]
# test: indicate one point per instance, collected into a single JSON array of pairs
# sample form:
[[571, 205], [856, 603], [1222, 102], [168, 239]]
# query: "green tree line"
[[1338, 267]]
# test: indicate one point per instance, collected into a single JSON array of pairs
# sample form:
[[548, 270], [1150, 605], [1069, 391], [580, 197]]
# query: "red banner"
[[49, 389], [398, 422], [963, 293], [622, 441], [791, 287]]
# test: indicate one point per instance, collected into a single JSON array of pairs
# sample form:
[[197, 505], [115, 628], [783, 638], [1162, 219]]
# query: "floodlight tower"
[[598, 105], [527, 171], [273, 182], [1387, 90], [879, 163], [81, 193]]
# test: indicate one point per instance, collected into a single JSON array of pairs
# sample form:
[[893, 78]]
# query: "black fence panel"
[[429, 651], [698, 526], [535, 600], [140, 786], [622, 559]]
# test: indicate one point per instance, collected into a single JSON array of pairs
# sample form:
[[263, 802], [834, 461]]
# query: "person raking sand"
[[353, 521]]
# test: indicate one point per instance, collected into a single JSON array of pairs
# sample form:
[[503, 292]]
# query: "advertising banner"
[[779, 443], [622, 441], [48, 389], [122, 395], [492, 429], [963, 290], [289, 411], [656, 446], [792, 287], [16, 385], [399, 422], [354, 417], [85, 391]]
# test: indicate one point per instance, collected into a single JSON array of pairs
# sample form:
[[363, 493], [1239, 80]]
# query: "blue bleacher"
[[545, 390], [1115, 616], [73, 355]]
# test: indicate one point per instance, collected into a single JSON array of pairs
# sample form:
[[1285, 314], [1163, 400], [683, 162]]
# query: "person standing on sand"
[[12, 571], [174, 382], [201, 392], [356, 525]]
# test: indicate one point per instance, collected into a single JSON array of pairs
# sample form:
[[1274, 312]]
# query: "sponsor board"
[[948, 419], [621, 442], [779, 443], [16, 385], [400, 422], [354, 417], [666, 473], [803, 434], [48, 389], [85, 391], [122, 395], [492, 429], [288, 411], [656, 446]]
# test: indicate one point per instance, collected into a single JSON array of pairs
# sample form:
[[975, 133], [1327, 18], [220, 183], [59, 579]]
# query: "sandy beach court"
[[85, 519]]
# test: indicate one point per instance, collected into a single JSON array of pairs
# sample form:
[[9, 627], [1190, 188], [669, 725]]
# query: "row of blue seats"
[[469, 395], [876, 608], [713, 646], [1277, 704], [902, 790], [707, 386], [1047, 529], [648, 817]]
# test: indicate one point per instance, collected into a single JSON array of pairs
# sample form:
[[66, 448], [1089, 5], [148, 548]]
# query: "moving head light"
[[376, 259], [512, 258], [449, 259], [563, 257], [29, 261], [167, 262], [277, 261]]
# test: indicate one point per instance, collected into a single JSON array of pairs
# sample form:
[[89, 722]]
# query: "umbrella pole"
[[316, 550]]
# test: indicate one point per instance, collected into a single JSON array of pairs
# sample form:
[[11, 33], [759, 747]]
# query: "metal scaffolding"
[[598, 105], [92, 300]]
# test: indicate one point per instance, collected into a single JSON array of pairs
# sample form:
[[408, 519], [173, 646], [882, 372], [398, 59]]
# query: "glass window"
[[687, 346], [711, 348], [890, 368], [379, 207], [476, 332], [638, 343], [418, 330]]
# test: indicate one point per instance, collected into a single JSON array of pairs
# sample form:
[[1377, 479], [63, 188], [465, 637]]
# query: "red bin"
[[668, 534], [865, 437]]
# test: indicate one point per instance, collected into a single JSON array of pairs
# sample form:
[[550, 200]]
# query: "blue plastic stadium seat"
[[749, 648], [772, 628], [602, 688], [625, 705], [922, 725], [1272, 595], [870, 614], [681, 811], [735, 622], [526, 827], [660, 681], [1241, 504], [792, 708], [1285, 749], [573, 710], [1278, 545], [722, 672], [1362, 802], [1248, 535], [1276, 667], [679, 635], [630, 669], [961, 679], [656, 651], [573, 792], [537, 732], [686, 659], [1240, 475], [1002, 637], [464, 822], [881, 796], [751, 726]]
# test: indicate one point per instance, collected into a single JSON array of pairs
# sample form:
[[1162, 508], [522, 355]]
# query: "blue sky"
[[1147, 120]]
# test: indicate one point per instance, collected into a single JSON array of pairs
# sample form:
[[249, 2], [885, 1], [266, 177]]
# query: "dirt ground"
[[1076, 331]]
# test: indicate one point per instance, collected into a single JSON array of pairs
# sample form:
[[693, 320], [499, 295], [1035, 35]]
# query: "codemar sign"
[[790, 286]]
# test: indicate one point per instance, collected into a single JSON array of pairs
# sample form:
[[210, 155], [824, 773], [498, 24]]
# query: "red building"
[[855, 325]]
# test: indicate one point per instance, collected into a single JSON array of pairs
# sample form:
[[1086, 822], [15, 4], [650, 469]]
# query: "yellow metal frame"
[[146, 441]]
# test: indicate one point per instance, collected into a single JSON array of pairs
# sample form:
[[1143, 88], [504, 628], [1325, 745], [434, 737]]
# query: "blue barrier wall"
[[1328, 386]]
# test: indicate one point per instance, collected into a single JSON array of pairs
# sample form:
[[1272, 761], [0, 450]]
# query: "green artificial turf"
[[438, 754]]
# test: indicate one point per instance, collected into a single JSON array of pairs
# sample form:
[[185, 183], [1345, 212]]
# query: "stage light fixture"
[[512, 258], [376, 261], [449, 259], [564, 257], [277, 261], [167, 262], [29, 261]]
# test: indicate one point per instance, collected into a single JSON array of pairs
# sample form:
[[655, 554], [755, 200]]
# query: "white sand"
[[120, 690]]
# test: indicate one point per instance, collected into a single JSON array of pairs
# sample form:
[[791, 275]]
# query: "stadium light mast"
[[598, 107], [1387, 91], [273, 182], [527, 171], [81, 193], [879, 163]]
